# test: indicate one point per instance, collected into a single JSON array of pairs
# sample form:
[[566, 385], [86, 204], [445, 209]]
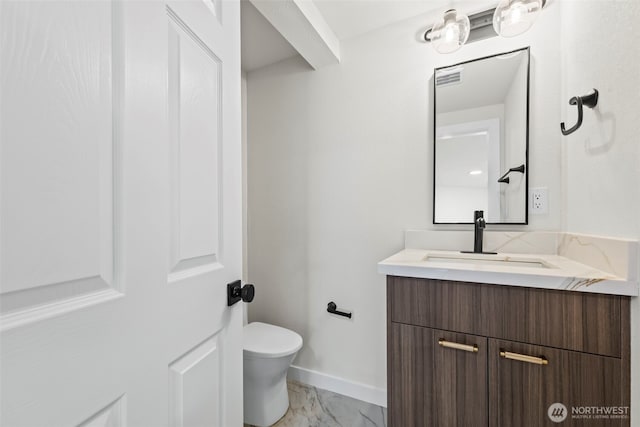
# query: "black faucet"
[[479, 225]]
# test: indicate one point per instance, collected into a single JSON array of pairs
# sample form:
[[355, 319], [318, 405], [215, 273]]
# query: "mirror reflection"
[[481, 139]]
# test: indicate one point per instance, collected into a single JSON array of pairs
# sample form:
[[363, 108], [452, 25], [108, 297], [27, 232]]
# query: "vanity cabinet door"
[[436, 378], [526, 380], [460, 380], [410, 375]]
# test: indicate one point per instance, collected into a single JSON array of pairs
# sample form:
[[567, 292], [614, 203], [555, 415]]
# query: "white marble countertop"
[[539, 270]]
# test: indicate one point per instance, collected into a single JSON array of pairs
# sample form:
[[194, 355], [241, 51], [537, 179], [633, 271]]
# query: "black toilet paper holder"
[[333, 309]]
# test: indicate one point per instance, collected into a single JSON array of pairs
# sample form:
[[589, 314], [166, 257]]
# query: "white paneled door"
[[120, 213]]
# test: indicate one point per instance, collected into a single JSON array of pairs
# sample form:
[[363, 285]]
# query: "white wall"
[[451, 162], [515, 112], [245, 204], [602, 159], [486, 112], [451, 199], [340, 163], [245, 198]]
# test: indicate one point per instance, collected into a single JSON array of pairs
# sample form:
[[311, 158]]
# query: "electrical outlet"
[[539, 200]]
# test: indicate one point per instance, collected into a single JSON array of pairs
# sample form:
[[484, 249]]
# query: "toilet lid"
[[264, 340]]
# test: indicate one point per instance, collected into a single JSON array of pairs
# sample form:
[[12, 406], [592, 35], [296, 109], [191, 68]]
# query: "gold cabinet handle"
[[458, 346], [524, 358]]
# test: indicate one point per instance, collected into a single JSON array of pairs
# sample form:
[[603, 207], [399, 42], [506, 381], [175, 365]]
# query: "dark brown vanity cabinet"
[[522, 391], [469, 354], [438, 378]]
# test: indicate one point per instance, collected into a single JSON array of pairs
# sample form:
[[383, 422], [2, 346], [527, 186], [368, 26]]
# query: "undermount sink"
[[496, 260]]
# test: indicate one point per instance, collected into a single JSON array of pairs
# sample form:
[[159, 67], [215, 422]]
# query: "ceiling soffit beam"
[[302, 25]]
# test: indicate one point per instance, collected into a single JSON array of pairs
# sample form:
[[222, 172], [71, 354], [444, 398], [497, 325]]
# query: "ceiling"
[[262, 44], [352, 18], [482, 83]]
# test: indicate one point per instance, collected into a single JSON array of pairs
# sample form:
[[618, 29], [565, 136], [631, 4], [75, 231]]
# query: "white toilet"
[[268, 353]]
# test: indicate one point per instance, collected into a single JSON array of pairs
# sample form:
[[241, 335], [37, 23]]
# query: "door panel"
[[460, 380], [434, 379], [204, 247], [120, 220], [410, 372], [58, 163], [521, 392], [111, 416], [195, 125], [195, 397]]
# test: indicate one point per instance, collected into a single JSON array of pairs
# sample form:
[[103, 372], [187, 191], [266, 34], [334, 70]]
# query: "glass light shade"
[[451, 32], [514, 17]]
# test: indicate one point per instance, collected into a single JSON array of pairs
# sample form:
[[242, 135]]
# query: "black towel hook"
[[587, 100], [504, 178]]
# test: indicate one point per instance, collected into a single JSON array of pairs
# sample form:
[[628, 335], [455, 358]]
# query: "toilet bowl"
[[268, 353]]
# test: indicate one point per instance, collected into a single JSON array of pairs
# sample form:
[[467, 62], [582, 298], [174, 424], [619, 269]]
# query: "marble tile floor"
[[314, 407]]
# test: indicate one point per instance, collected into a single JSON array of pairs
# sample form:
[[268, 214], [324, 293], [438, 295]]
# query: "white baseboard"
[[359, 391]]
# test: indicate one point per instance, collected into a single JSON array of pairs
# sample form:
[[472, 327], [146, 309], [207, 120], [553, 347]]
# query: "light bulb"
[[514, 17], [516, 13], [451, 32]]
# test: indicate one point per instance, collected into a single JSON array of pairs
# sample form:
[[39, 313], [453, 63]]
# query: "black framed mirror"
[[481, 139]]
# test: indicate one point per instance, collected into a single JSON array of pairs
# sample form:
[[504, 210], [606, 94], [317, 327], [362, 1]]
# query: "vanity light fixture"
[[514, 17], [450, 32], [510, 18], [475, 172]]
